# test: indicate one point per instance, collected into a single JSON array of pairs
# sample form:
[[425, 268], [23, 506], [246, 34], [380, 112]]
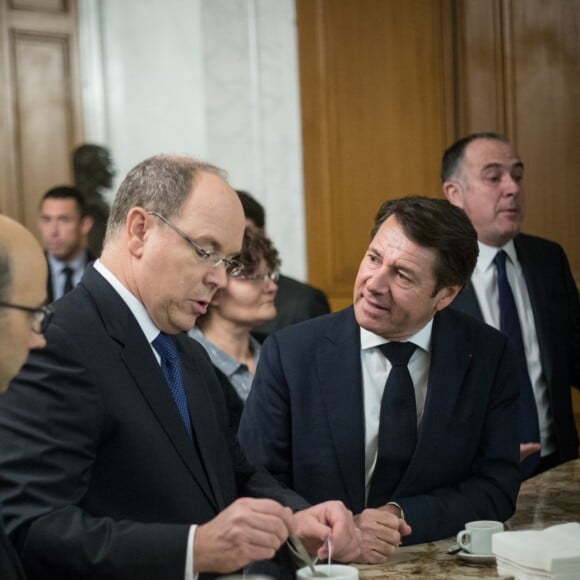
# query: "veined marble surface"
[[550, 498]]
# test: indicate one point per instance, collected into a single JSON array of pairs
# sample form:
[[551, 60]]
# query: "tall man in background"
[[116, 460], [295, 301], [522, 285], [64, 226], [22, 322]]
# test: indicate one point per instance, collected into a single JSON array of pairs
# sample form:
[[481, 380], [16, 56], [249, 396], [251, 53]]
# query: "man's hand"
[[527, 449], [333, 520], [382, 530], [247, 530]]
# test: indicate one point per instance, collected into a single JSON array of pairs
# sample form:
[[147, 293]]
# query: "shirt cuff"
[[402, 516], [189, 575]]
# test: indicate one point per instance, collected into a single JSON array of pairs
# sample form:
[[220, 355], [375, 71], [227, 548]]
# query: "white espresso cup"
[[476, 537], [336, 571]]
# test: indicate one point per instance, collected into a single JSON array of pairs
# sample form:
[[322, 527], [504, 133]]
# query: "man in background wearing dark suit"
[[116, 460], [482, 174], [295, 301], [22, 321], [417, 447], [64, 225]]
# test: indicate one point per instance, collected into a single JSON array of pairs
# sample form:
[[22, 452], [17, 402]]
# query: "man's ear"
[[446, 296], [86, 224], [137, 230], [453, 192]]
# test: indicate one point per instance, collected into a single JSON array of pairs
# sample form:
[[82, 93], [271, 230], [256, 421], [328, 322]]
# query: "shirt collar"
[[487, 254], [57, 265], [226, 363], [422, 338], [135, 306]]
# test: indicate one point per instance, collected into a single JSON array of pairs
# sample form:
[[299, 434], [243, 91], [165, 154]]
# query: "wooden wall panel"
[[376, 104], [39, 102], [546, 97], [519, 73], [40, 5], [43, 115]]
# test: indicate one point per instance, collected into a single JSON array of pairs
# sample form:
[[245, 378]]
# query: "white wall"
[[215, 79]]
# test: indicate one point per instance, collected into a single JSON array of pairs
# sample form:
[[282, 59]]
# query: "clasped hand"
[[381, 530]]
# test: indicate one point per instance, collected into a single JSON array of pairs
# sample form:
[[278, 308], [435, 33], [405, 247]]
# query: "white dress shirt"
[[375, 371], [57, 276], [150, 331], [484, 280]]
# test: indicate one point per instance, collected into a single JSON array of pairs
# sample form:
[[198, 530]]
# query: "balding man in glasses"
[[23, 318], [116, 460]]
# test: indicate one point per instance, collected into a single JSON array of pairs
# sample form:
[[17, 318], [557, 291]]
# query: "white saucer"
[[476, 558]]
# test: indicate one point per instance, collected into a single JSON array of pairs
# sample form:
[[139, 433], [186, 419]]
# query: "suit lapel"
[[49, 292], [140, 362], [536, 292], [203, 420], [451, 354], [340, 382]]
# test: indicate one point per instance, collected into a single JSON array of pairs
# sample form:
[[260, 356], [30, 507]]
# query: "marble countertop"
[[550, 498]]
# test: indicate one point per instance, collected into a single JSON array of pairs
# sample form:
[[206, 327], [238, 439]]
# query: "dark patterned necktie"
[[397, 425], [171, 368], [510, 325], [68, 280]]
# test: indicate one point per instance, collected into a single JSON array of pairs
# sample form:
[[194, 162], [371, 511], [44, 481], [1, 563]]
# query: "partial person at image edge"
[[23, 320]]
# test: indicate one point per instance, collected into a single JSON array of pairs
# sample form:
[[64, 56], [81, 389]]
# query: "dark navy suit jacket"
[[304, 422], [556, 309], [89, 258], [10, 568]]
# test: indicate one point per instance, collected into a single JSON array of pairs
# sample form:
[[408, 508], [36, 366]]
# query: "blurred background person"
[[22, 322], [245, 302], [295, 301], [93, 172], [64, 225]]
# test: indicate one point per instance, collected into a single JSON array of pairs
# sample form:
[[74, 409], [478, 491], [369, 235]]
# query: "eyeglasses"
[[274, 276], [233, 267], [40, 316]]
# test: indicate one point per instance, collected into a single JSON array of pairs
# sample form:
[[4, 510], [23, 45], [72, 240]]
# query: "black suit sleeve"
[[52, 420]]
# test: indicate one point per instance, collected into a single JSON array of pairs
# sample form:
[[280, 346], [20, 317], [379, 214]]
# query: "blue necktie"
[[171, 368], [510, 325], [397, 425]]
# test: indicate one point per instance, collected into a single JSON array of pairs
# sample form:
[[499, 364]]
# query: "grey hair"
[[161, 183]]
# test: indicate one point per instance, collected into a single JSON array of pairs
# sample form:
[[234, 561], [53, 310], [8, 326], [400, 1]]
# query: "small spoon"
[[301, 552]]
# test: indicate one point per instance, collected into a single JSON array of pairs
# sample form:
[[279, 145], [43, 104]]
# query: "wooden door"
[[387, 85], [39, 102], [519, 73], [377, 102]]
